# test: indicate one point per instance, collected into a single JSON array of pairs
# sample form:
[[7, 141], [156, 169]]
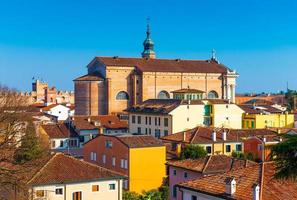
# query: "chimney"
[[89, 119], [184, 136], [230, 185], [224, 135], [214, 136], [264, 139], [256, 192]]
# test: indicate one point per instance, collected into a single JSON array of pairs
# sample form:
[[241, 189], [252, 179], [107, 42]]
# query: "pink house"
[[185, 170]]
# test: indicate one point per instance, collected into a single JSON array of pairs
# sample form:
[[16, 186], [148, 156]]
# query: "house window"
[[166, 122], [228, 148], [139, 130], [108, 144], [122, 163], [208, 149], [157, 133], [139, 119], [260, 147], [133, 119], [77, 195], [126, 164], [53, 144], [156, 123], [238, 147], [212, 95], [163, 95], [39, 193], [125, 184], [185, 174], [146, 131], [174, 172], [59, 191], [174, 191], [113, 161], [159, 120], [150, 120], [122, 95], [150, 131], [253, 124], [165, 132], [95, 188], [145, 120], [112, 186], [93, 156], [194, 197], [104, 158], [188, 119]]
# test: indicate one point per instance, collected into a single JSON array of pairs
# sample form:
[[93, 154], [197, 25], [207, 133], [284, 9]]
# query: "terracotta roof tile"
[[90, 77], [165, 65], [105, 121], [211, 164], [251, 109], [161, 106], [246, 178], [62, 169], [58, 131], [136, 141]]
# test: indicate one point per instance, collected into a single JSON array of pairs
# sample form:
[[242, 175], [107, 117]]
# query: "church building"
[[113, 84]]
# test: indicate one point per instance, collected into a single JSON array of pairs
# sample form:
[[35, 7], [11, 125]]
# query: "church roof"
[[165, 65]]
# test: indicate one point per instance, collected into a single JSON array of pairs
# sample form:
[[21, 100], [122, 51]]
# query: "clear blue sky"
[[56, 39]]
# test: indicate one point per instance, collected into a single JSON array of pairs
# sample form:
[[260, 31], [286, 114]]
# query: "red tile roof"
[[90, 77], [211, 164], [61, 169], [251, 109], [48, 108], [161, 106], [187, 90], [246, 178], [105, 121], [203, 135], [58, 131], [138, 141], [165, 65]]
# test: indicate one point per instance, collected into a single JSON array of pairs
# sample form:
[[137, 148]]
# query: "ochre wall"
[[147, 168]]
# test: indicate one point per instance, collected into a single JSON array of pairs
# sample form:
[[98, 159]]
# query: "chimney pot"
[[230, 185], [214, 136], [224, 135], [256, 192], [184, 136]]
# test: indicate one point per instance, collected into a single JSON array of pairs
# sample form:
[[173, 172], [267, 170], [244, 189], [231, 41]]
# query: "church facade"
[[113, 84]]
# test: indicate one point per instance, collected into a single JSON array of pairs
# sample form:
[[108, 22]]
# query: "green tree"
[[130, 196], [164, 192], [193, 152], [152, 195], [30, 148], [285, 156]]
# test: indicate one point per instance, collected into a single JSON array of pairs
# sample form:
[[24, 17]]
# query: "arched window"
[[212, 95], [122, 95], [163, 95]]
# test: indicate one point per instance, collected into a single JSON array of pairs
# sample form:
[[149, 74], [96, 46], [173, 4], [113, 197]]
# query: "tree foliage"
[[193, 152], [285, 156], [290, 94], [161, 193]]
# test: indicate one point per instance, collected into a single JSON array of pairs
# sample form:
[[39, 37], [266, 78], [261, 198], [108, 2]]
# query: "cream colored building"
[[161, 117], [66, 178]]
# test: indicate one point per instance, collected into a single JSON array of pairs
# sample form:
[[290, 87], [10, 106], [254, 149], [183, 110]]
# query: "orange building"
[[113, 84], [260, 147]]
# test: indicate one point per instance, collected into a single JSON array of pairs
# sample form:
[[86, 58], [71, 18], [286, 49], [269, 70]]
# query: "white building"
[[60, 111], [66, 178], [161, 117]]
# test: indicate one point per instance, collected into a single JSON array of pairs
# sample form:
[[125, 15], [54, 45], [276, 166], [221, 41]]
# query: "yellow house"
[[141, 158], [266, 116], [215, 141]]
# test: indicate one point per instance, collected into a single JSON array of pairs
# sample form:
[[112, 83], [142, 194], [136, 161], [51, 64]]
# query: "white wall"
[[187, 195], [227, 115], [60, 111], [85, 188], [186, 117]]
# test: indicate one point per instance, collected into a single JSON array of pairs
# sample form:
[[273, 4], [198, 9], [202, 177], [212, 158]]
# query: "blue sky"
[[56, 39]]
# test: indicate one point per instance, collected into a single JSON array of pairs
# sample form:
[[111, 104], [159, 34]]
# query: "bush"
[[130, 195], [193, 152]]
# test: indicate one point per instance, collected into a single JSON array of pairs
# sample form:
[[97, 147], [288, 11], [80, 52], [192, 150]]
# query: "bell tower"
[[148, 44]]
